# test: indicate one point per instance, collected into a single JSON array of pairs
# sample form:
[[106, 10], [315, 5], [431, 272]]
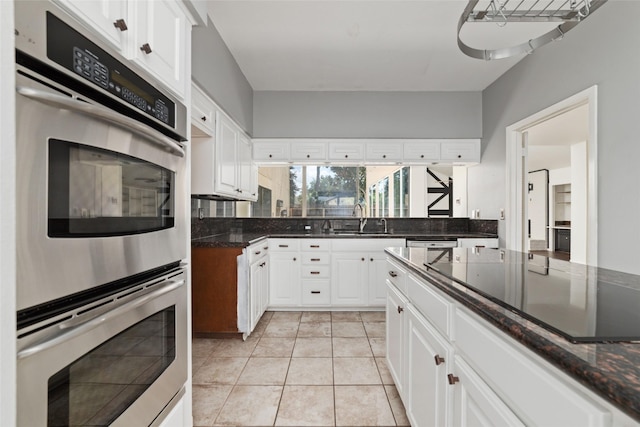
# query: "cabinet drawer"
[[203, 113], [257, 251], [316, 292], [315, 271], [316, 259], [432, 305], [516, 374], [284, 245], [316, 245], [397, 275]]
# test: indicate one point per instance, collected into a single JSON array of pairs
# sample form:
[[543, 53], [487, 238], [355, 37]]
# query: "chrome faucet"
[[381, 221], [363, 220]]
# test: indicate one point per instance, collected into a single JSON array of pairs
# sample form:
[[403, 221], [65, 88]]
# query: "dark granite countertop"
[[610, 369], [235, 240]]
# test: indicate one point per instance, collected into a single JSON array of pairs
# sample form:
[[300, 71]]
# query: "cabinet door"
[[308, 151], [349, 272], [203, 113], [264, 291], [428, 395], [378, 273], [345, 151], [383, 152], [421, 151], [284, 279], [161, 40], [270, 151], [247, 179], [395, 333], [475, 404], [255, 297], [460, 151], [108, 18], [226, 161]]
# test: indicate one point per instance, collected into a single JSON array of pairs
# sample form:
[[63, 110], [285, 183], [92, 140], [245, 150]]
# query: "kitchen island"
[[553, 342]]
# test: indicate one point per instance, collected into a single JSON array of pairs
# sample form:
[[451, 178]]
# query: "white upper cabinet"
[[221, 162], [366, 151], [161, 41], [203, 113], [154, 35], [422, 151], [340, 151], [305, 151], [271, 151], [384, 151], [110, 18], [460, 151]]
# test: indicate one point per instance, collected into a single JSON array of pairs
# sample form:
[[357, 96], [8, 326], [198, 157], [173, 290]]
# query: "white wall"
[[7, 218], [599, 51], [367, 114]]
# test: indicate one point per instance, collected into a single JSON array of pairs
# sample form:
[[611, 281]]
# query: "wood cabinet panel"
[[214, 293]]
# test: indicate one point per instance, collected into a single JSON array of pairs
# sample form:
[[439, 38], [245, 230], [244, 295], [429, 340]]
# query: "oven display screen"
[[98, 387]]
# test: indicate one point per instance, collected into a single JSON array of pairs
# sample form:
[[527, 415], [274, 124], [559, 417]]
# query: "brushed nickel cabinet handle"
[[439, 360], [146, 48], [452, 379], [121, 25]]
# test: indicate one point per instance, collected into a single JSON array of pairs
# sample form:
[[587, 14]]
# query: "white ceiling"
[[350, 45]]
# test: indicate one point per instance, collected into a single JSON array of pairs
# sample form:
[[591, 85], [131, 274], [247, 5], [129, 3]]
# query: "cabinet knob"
[[294, 258], [452, 379], [439, 360], [270, 155], [459, 156], [400, 309], [263, 264], [384, 156], [422, 156], [203, 118], [146, 48], [362, 259], [371, 259], [393, 274], [308, 156], [121, 25], [346, 156]]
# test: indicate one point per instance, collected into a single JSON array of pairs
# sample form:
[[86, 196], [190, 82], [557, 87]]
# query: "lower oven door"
[[119, 362]]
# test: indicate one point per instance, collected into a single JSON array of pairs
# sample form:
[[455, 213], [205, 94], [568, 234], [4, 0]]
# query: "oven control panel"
[[73, 51]]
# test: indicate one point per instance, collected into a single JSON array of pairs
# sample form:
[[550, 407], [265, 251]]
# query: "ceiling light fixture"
[[501, 12]]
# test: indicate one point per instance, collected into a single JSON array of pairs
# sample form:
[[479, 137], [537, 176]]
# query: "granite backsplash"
[[212, 226]]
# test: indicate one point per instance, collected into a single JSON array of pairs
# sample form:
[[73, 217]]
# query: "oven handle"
[[70, 332], [102, 113]]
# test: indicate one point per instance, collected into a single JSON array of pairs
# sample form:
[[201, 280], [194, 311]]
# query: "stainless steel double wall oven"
[[101, 286]]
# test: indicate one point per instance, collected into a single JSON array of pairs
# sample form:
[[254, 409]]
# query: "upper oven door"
[[100, 196]]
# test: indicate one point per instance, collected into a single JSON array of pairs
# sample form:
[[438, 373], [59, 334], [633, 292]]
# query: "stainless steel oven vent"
[[568, 13]]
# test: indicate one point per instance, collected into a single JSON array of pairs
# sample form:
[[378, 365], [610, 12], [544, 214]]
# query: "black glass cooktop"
[[581, 303]]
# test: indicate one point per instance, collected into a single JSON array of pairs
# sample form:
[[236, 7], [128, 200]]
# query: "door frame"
[[516, 156]]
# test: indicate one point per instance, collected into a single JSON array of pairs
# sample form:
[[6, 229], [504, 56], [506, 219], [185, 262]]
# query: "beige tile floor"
[[298, 369]]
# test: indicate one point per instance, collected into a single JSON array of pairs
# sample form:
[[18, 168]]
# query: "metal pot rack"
[[568, 12]]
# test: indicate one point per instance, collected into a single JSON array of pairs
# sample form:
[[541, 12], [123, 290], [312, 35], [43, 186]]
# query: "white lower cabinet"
[[452, 368], [475, 404], [429, 359], [284, 272], [395, 333], [349, 274], [258, 282]]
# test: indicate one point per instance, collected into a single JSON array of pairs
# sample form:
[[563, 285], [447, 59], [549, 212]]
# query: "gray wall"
[[368, 114], [217, 72], [603, 51]]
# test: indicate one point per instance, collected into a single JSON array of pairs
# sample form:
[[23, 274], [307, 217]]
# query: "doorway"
[[572, 190]]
